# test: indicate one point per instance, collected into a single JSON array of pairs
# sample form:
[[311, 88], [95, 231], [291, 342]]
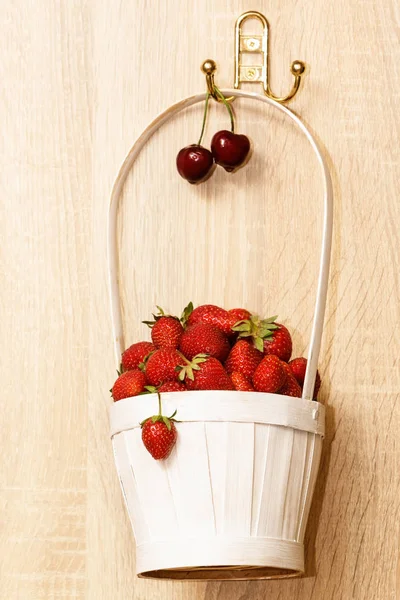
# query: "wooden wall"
[[80, 81]]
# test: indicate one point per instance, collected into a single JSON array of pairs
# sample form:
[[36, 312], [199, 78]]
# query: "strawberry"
[[279, 343], [211, 315], [241, 383], [131, 383], [290, 387], [238, 314], [161, 366], [159, 434], [298, 367], [172, 386], [243, 358], [269, 375], [158, 438], [205, 373], [135, 354], [166, 330], [256, 329], [204, 339]]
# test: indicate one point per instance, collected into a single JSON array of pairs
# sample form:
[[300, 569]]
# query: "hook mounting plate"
[[258, 73]]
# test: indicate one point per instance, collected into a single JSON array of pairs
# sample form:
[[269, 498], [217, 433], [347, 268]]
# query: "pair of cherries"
[[228, 149]]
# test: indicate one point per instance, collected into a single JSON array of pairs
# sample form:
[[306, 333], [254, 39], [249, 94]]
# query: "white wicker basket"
[[236, 490], [232, 500]]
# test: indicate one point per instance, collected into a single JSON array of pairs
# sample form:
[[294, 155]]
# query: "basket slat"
[[153, 488], [130, 490], [238, 479], [294, 490], [216, 434], [313, 461], [279, 457], [190, 482]]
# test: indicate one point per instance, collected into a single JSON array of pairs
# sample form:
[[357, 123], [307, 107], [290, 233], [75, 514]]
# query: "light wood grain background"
[[80, 80]]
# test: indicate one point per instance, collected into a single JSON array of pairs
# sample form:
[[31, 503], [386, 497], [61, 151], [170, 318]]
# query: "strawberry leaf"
[[167, 423], [187, 311], [270, 319], [149, 323], [259, 343], [263, 333], [154, 418], [151, 389], [242, 325]]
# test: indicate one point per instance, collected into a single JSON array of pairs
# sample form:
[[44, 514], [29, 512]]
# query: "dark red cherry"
[[194, 163], [230, 150]]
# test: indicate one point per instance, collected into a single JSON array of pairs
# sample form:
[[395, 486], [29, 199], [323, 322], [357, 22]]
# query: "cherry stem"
[[204, 119], [224, 100]]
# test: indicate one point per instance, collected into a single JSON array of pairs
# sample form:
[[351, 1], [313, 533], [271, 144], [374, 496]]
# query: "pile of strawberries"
[[207, 348], [210, 348]]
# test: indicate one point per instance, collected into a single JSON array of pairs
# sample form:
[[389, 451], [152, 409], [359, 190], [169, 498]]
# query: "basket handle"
[[320, 303]]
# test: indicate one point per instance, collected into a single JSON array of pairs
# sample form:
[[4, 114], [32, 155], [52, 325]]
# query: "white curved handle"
[[316, 333]]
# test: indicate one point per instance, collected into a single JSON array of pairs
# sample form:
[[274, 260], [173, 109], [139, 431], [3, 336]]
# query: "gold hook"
[[259, 44], [209, 67]]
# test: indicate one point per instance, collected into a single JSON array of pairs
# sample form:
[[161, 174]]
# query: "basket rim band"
[[207, 551], [221, 406], [323, 277]]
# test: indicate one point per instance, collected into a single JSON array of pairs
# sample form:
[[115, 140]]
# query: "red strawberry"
[[166, 330], [159, 434], [238, 314], [290, 387], [243, 358], [204, 339], [172, 386], [211, 315], [158, 439], [256, 330], [269, 375], [161, 366], [131, 383], [206, 373], [279, 344], [241, 383], [135, 354], [298, 367]]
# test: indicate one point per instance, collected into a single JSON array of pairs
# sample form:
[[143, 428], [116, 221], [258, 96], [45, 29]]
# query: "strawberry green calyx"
[[161, 313], [150, 389], [157, 317], [187, 311], [142, 365], [190, 366], [256, 328], [160, 417]]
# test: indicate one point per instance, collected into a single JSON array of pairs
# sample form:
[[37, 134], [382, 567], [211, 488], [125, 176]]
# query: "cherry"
[[230, 150], [194, 163]]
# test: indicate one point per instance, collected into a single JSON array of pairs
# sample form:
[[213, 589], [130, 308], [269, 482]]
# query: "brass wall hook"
[[209, 67], [259, 44]]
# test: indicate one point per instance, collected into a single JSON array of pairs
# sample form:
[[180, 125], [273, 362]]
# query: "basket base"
[[220, 558], [228, 573]]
